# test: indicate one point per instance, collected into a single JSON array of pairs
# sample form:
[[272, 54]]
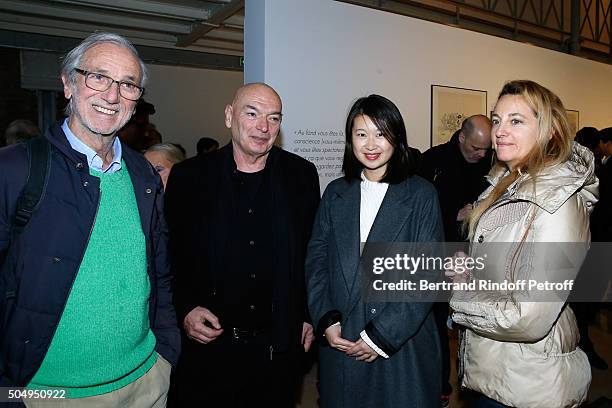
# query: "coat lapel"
[[345, 220], [219, 216], [391, 218], [283, 243], [392, 215]]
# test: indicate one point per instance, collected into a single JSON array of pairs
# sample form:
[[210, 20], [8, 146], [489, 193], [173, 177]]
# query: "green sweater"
[[103, 341]]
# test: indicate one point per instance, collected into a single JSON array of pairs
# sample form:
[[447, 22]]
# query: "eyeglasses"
[[101, 82]]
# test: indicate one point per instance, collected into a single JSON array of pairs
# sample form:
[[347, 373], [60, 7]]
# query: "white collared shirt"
[[93, 159], [372, 195]]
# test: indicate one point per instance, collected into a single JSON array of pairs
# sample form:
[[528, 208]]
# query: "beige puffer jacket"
[[519, 352]]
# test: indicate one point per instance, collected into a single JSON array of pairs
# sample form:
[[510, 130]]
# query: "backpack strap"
[[39, 162], [39, 155], [39, 158]]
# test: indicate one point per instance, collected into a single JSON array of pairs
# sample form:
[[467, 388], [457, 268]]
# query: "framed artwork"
[[574, 120], [450, 106]]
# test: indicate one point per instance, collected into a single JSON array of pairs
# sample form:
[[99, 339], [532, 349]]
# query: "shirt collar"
[[93, 159], [369, 182]]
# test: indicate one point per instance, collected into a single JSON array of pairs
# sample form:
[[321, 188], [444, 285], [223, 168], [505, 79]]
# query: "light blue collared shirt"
[[93, 160]]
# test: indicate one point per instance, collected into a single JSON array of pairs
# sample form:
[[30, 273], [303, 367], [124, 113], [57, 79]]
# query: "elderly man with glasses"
[[85, 305]]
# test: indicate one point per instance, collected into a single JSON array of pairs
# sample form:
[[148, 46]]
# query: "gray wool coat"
[[411, 377]]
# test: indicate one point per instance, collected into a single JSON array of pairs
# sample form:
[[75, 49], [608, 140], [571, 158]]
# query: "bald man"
[[457, 169], [240, 219]]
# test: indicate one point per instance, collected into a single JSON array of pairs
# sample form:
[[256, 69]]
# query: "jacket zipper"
[[462, 357], [149, 254], [75, 275]]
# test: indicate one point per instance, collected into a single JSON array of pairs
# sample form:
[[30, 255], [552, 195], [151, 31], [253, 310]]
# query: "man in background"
[[206, 145], [19, 131], [457, 169], [136, 132], [585, 312]]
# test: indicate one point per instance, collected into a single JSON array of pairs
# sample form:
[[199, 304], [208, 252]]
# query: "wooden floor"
[[600, 392]]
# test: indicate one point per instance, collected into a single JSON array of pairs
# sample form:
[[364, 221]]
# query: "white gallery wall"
[[189, 103], [320, 55]]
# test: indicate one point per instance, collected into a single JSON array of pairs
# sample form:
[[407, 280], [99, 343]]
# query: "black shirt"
[[247, 289]]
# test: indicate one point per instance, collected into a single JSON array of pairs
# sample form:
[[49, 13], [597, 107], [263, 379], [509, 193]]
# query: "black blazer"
[[405, 330], [197, 205]]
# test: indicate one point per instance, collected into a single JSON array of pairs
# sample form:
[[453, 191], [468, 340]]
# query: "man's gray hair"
[[73, 59]]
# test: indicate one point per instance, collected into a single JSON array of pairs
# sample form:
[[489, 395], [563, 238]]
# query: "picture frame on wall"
[[450, 106], [573, 116]]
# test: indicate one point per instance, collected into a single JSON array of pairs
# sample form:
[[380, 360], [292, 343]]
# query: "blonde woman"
[[518, 351]]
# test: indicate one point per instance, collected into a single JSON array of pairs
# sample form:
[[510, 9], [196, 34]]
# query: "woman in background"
[[162, 157], [375, 354], [519, 350]]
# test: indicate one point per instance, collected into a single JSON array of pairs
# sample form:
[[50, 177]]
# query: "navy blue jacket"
[[49, 251]]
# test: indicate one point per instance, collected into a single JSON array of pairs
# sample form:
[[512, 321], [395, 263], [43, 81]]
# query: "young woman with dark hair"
[[376, 354]]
